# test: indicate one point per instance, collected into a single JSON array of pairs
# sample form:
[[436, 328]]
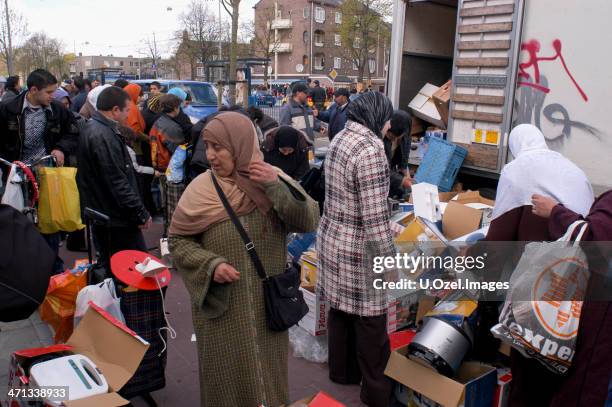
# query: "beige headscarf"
[[200, 207]]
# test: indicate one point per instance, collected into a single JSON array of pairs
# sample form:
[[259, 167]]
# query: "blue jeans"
[[54, 240]]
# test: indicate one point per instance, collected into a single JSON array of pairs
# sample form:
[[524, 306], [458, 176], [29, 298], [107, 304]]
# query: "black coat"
[[397, 162], [335, 117], [106, 178], [61, 132]]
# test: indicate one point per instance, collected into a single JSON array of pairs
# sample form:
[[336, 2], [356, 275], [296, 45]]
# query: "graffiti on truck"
[[529, 104], [532, 48]]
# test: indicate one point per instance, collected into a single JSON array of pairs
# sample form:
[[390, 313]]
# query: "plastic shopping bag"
[[13, 194], [58, 207], [541, 314], [103, 295], [59, 305], [175, 173]]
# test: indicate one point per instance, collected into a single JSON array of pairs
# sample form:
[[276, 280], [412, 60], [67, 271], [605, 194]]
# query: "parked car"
[[203, 95], [265, 98]]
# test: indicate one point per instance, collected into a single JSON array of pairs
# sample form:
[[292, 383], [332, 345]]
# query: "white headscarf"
[[92, 96], [538, 170]]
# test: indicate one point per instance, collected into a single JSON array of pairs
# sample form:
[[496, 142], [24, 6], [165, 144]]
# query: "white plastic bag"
[[103, 295], [311, 348], [13, 194], [541, 315]]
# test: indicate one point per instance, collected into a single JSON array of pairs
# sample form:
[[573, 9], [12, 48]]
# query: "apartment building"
[[308, 43]]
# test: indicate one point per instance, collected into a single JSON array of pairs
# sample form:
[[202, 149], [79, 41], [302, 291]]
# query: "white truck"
[[545, 62]]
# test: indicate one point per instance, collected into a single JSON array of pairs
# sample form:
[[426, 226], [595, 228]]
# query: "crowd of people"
[[245, 160]]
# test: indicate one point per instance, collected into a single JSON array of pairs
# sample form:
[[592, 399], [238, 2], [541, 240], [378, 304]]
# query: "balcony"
[[281, 47], [281, 24]]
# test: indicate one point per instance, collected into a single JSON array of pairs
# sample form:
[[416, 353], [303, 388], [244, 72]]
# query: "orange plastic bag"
[[59, 305]]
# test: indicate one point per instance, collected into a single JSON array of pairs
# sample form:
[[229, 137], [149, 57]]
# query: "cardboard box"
[[502, 391], [399, 313], [473, 386], [459, 220], [315, 322], [441, 99], [473, 199], [423, 106], [115, 349]]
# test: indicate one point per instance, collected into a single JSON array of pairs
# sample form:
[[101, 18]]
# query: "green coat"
[[242, 362]]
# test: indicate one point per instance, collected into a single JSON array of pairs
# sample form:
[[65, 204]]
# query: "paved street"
[[182, 385]]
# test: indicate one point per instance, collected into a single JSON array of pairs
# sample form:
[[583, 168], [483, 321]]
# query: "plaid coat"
[[355, 223]]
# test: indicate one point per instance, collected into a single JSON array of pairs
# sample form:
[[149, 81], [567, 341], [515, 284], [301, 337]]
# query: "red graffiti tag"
[[533, 48]]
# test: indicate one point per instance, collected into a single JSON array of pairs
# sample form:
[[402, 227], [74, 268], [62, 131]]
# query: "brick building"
[[308, 42]]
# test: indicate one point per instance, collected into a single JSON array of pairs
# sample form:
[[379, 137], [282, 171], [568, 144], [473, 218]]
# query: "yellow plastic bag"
[[59, 208]]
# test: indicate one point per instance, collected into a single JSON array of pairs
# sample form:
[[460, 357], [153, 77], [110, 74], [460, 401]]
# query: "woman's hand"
[[543, 205], [262, 173], [224, 273], [407, 182]]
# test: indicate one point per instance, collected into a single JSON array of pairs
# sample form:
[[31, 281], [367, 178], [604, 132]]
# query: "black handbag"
[[285, 305]]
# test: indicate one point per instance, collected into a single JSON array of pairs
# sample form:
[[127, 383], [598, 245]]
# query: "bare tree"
[[152, 52], [13, 29], [232, 8], [264, 41], [202, 36], [363, 30]]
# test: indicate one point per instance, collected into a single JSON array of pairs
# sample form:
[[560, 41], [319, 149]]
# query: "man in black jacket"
[[335, 116], [318, 95], [33, 125], [107, 180]]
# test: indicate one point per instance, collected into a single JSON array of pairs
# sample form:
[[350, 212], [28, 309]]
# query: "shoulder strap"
[[248, 243]]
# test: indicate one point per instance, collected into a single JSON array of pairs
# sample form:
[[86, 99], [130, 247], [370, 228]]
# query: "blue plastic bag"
[[175, 172]]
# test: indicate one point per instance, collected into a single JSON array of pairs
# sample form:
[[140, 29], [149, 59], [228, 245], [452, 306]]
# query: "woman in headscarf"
[[92, 99], [242, 362], [286, 148], [182, 119], [587, 380], [534, 170], [135, 120], [353, 229]]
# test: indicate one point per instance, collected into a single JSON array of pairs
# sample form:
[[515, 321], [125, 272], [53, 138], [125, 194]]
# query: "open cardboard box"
[[424, 107], [473, 386], [115, 349]]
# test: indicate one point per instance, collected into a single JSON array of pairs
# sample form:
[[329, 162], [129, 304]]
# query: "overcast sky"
[[116, 27]]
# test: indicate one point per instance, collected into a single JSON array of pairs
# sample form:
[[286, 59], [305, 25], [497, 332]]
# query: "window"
[[338, 17], [305, 37], [355, 67], [200, 71], [337, 63], [319, 14], [106, 64], [306, 12], [337, 40], [319, 38], [131, 63], [88, 63], [372, 65], [319, 61], [116, 63], [278, 14], [305, 60], [121, 63], [357, 43]]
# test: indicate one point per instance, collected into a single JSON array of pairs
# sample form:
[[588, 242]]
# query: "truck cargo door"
[[487, 48]]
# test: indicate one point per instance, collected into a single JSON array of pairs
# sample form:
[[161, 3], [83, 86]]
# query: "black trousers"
[[358, 352], [110, 240]]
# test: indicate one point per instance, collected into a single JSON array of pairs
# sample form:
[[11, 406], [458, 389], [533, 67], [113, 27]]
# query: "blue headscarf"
[[179, 93], [59, 94]]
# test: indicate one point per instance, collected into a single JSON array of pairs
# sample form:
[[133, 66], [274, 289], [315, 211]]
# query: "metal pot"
[[440, 345]]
